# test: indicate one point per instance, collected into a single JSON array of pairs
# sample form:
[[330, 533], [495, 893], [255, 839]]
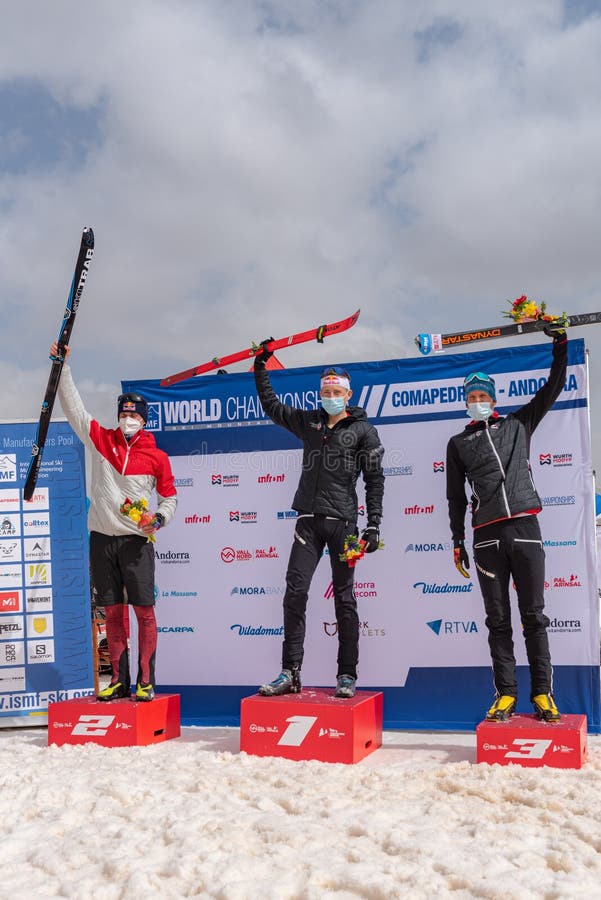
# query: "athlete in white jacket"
[[126, 463]]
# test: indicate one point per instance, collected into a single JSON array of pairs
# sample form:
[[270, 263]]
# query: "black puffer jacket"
[[494, 457], [332, 457]]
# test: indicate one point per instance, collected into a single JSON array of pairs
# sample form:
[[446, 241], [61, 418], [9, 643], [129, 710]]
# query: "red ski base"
[[526, 741], [312, 725], [118, 723]]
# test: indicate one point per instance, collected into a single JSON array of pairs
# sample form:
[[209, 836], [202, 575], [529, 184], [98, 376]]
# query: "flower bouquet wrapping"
[[525, 310], [137, 511]]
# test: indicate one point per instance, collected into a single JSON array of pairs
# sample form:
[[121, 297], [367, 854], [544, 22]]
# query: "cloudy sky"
[[254, 167]]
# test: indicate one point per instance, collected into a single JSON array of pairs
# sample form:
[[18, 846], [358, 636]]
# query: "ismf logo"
[[215, 479], [8, 467], [438, 466], [10, 601], [154, 421], [544, 459], [234, 515]]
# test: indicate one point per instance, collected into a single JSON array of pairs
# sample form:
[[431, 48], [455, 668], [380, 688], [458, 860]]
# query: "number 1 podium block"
[[312, 725], [526, 741], [117, 723]]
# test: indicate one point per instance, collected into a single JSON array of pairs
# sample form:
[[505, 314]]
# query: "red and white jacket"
[[120, 468]]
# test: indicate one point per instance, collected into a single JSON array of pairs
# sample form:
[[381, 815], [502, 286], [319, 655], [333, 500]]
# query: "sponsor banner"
[[10, 550], [10, 500], [10, 525], [12, 653], [40, 500], [11, 628], [38, 600], [10, 680], [43, 548], [11, 601], [11, 576], [38, 574], [40, 625], [36, 523], [415, 611], [40, 652], [36, 548]]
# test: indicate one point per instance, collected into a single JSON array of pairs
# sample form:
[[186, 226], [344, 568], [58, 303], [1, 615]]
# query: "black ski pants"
[[514, 548], [311, 535]]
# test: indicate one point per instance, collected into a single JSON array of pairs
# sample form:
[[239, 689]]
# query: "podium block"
[[312, 725], [118, 723], [526, 741]]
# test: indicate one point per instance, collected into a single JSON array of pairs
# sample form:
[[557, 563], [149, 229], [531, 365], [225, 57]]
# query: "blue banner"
[[221, 563], [45, 627]]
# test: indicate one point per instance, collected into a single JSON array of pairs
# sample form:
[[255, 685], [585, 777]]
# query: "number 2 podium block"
[[526, 741], [118, 723], [312, 725]]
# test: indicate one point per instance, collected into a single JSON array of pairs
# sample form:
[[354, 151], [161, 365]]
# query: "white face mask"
[[129, 426], [479, 411]]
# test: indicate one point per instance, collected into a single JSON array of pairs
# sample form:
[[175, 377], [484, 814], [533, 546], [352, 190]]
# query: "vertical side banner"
[[45, 631], [221, 563]]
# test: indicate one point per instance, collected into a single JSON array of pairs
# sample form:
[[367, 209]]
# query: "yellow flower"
[[143, 502], [530, 309], [135, 515]]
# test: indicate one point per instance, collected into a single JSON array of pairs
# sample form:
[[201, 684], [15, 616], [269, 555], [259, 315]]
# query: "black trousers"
[[514, 548], [311, 535]]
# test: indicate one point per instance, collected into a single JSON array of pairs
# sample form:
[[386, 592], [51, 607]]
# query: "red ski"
[[314, 334]]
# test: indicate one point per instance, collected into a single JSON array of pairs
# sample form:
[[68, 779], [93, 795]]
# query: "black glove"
[[371, 537], [556, 330], [461, 559], [261, 358]]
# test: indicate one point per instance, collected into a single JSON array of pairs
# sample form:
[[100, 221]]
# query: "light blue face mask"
[[333, 405], [479, 411]]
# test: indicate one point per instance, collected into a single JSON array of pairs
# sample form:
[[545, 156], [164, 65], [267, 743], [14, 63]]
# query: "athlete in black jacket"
[[338, 445], [492, 453]]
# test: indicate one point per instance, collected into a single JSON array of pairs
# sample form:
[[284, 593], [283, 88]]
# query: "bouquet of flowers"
[[354, 550], [137, 511], [525, 310]]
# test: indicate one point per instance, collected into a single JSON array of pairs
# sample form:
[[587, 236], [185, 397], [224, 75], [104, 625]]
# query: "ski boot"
[[544, 706], [144, 693], [114, 691], [345, 686], [502, 709], [287, 682]]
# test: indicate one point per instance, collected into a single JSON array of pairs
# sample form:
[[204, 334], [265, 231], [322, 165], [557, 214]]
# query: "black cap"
[[132, 403]]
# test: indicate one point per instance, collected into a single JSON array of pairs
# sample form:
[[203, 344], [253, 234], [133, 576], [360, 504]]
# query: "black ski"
[[438, 343], [86, 252]]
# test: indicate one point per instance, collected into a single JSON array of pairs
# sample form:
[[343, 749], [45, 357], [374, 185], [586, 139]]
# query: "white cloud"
[[263, 166]]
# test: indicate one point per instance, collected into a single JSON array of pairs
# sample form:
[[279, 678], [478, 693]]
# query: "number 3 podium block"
[[118, 723], [526, 741], [312, 725]]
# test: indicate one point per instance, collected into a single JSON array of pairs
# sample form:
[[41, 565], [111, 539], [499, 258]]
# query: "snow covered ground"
[[195, 818]]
